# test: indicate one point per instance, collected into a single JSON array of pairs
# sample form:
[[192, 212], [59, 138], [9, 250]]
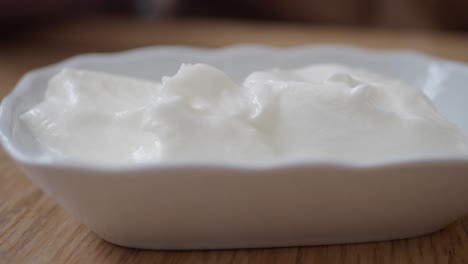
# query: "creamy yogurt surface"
[[323, 111]]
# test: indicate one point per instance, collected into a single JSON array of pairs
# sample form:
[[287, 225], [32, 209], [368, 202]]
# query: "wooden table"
[[34, 229]]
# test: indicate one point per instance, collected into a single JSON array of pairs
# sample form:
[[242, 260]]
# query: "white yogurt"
[[329, 112]]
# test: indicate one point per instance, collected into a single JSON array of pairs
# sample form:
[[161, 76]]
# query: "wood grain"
[[34, 229]]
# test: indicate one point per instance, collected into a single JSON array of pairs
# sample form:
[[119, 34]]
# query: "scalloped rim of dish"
[[25, 82]]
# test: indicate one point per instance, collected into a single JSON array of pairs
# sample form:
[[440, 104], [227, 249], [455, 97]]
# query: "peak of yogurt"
[[324, 111]]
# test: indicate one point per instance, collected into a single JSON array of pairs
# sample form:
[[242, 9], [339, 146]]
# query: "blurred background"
[[35, 33], [445, 15]]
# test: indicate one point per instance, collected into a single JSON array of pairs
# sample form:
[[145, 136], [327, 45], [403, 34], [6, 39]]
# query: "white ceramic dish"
[[229, 205]]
